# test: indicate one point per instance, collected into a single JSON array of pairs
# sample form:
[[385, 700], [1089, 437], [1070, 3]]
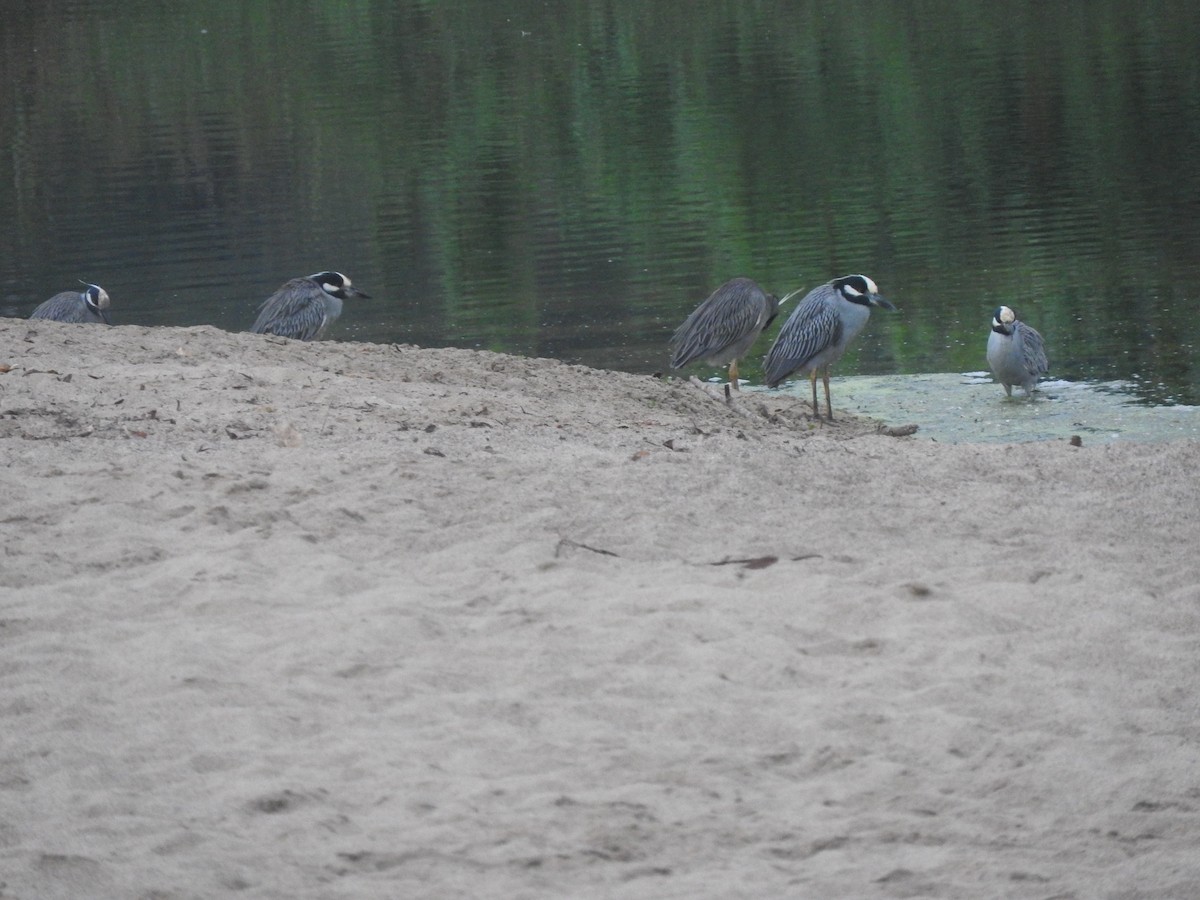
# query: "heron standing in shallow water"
[[819, 329], [1016, 352]]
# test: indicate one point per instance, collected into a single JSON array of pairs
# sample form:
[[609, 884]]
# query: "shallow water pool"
[[965, 407]]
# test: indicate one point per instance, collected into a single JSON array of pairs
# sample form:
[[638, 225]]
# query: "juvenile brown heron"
[[1015, 352], [721, 330], [304, 308], [90, 305], [820, 327]]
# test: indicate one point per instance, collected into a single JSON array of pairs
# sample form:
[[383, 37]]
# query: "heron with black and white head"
[[89, 305], [819, 329], [304, 308], [1016, 352]]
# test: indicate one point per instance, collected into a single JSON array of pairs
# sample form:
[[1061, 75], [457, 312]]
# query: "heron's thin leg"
[[733, 376], [828, 405], [812, 376]]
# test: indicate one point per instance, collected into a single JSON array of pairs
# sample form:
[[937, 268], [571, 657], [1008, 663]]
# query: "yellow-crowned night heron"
[[1016, 352], [816, 333], [90, 305], [722, 329], [304, 308]]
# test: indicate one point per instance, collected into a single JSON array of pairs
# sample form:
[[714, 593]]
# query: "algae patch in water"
[[970, 407]]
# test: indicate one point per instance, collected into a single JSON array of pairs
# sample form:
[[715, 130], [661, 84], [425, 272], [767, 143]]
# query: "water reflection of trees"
[[629, 155]]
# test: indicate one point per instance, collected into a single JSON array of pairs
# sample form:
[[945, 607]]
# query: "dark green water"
[[569, 179]]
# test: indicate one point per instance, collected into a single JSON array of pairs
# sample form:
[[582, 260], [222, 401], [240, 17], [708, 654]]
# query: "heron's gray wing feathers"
[[721, 321], [296, 310], [61, 307], [69, 306], [813, 326], [1033, 349]]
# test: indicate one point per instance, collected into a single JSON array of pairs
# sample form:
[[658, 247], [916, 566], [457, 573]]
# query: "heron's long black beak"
[[352, 291], [876, 300]]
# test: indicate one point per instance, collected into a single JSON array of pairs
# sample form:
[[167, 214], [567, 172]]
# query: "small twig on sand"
[[757, 562], [567, 543]]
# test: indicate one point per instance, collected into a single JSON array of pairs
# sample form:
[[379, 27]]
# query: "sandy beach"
[[336, 620]]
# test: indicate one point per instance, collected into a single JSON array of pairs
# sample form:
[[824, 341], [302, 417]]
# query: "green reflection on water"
[[570, 182]]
